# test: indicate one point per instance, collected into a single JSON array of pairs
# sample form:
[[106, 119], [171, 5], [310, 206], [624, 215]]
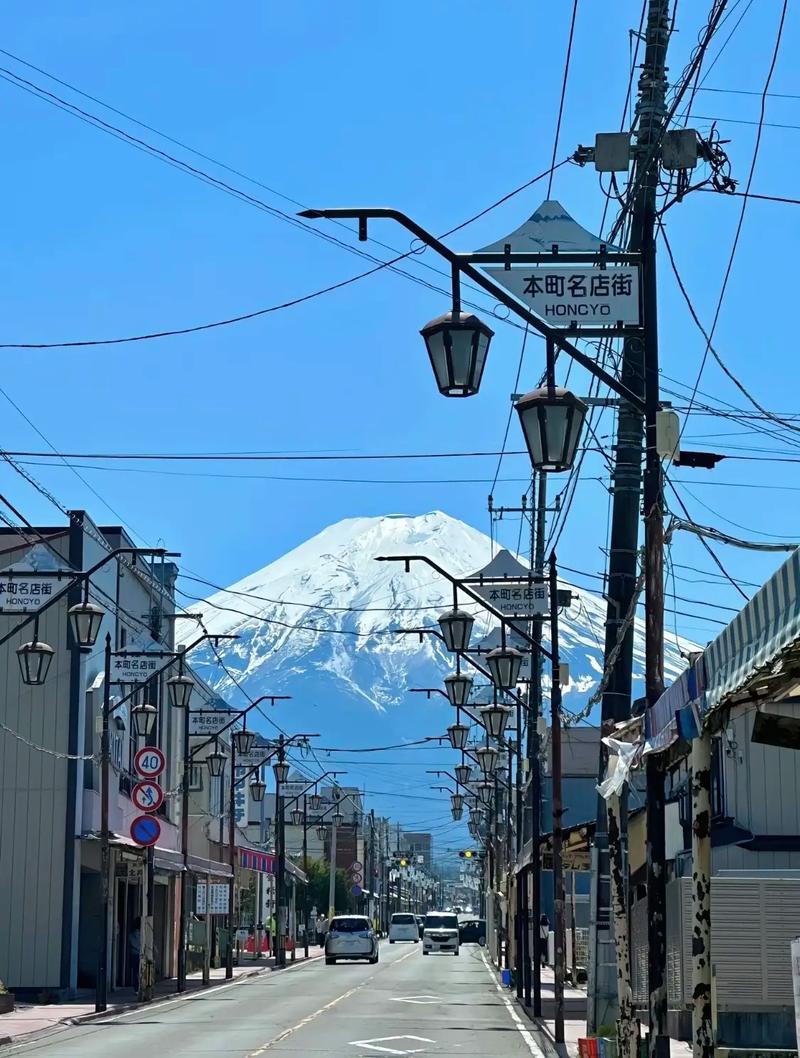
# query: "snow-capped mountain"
[[321, 624]]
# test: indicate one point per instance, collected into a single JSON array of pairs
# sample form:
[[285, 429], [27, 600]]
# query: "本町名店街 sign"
[[26, 593], [581, 295]]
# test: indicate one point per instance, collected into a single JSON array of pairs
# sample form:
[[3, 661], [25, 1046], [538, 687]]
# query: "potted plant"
[[6, 1000]]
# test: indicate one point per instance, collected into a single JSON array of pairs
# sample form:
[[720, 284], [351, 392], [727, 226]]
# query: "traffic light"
[[468, 854]]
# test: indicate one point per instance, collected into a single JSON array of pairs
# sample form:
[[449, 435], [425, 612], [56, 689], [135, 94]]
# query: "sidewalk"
[[32, 1018]]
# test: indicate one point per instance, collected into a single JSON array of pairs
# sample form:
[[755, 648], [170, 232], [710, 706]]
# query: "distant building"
[[420, 845]]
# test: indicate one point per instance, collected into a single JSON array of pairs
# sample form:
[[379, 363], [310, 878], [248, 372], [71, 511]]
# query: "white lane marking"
[[422, 1000], [519, 1024], [372, 1044]]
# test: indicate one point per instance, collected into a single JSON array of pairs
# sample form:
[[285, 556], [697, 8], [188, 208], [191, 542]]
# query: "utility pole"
[[282, 916], [305, 869], [534, 964], [558, 873], [640, 374]]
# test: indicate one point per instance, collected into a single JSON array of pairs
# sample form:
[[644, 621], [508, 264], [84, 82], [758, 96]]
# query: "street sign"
[[253, 758], [509, 587], [135, 669], [149, 762], [356, 890], [145, 830], [147, 795], [356, 865], [357, 878], [27, 592], [208, 721], [579, 295]]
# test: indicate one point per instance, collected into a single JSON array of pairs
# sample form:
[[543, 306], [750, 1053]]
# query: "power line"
[[563, 95]]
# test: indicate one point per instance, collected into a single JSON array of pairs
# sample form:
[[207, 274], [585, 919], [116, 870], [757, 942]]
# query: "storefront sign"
[[208, 722], [217, 902]]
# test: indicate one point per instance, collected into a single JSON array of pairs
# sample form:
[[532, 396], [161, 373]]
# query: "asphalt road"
[[407, 1004]]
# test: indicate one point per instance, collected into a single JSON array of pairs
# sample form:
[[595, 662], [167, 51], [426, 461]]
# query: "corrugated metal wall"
[[753, 921]]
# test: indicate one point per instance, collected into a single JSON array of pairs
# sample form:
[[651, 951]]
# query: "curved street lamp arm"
[[459, 264], [501, 617]]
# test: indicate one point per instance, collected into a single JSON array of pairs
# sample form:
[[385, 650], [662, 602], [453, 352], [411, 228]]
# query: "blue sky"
[[436, 110]]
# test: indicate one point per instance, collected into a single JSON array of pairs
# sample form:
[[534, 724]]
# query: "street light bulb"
[[337, 819], [315, 802], [280, 770], [322, 833], [257, 789], [552, 420], [458, 735], [487, 758], [297, 817], [216, 763], [495, 718]]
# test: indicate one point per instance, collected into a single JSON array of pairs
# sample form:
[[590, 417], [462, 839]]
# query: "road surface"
[[438, 1005]]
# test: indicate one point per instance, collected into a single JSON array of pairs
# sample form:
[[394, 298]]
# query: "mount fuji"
[[320, 624]]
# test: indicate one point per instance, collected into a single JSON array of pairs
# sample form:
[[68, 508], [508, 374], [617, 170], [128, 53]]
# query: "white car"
[[403, 927], [441, 932], [350, 937]]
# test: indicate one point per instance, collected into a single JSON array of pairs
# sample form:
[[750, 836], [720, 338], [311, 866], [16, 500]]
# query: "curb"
[[86, 1019]]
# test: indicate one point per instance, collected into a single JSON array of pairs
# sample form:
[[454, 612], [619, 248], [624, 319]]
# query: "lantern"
[[34, 662], [457, 688], [504, 665], [551, 420], [457, 345], [85, 619], [456, 626], [179, 691]]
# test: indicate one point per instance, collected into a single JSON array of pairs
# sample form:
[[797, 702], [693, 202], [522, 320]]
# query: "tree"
[[318, 874]]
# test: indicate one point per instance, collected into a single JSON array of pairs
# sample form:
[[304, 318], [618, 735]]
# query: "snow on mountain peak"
[[317, 622]]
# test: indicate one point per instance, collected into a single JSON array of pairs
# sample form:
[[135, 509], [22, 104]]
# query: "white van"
[[403, 927]]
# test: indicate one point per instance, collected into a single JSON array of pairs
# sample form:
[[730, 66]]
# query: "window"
[[349, 925], [441, 922], [196, 776], [404, 920]]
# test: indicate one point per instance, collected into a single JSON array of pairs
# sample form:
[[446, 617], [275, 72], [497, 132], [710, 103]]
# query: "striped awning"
[[759, 634]]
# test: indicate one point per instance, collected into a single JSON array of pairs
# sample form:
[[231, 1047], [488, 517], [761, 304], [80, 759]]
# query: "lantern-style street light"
[[257, 789], [315, 802], [457, 344], [495, 718], [458, 735], [34, 661], [144, 719], [485, 792], [458, 687], [552, 420], [463, 772], [179, 691], [281, 771], [215, 762], [487, 758], [504, 664], [297, 817], [85, 619], [322, 833], [243, 741], [456, 626], [457, 813], [337, 819], [456, 801]]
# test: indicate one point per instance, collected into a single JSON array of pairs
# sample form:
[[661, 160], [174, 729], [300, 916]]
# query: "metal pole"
[[534, 712], [305, 869], [280, 879], [332, 877], [101, 986], [702, 1028], [231, 861], [183, 938], [558, 877]]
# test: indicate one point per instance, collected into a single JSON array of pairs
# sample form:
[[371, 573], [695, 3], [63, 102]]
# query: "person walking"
[[544, 938], [134, 953], [322, 929]]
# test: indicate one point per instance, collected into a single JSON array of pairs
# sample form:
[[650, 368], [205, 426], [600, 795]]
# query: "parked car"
[[403, 926], [420, 925], [350, 937], [441, 933], [472, 931]]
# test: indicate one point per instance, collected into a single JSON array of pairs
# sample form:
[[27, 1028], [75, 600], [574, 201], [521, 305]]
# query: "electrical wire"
[[563, 96]]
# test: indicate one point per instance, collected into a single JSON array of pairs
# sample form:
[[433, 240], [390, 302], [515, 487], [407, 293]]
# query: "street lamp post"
[[281, 772]]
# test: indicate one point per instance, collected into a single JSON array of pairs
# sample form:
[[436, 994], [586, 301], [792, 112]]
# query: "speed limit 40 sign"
[[149, 762]]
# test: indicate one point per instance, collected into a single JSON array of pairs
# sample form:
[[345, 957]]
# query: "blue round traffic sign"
[[356, 890], [145, 830]]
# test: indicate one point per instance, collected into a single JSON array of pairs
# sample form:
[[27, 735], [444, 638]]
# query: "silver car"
[[350, 937], [441, 933]]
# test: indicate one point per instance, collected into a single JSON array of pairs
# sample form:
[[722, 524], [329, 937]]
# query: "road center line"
[[312, 1017], [532, 1045]]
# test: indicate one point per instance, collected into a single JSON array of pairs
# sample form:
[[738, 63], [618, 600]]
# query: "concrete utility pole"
[[558, 873], [640, 374]]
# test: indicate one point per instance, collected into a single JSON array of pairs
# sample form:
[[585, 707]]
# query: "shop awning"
[[266, 863], [166, 860], [758, 640]]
